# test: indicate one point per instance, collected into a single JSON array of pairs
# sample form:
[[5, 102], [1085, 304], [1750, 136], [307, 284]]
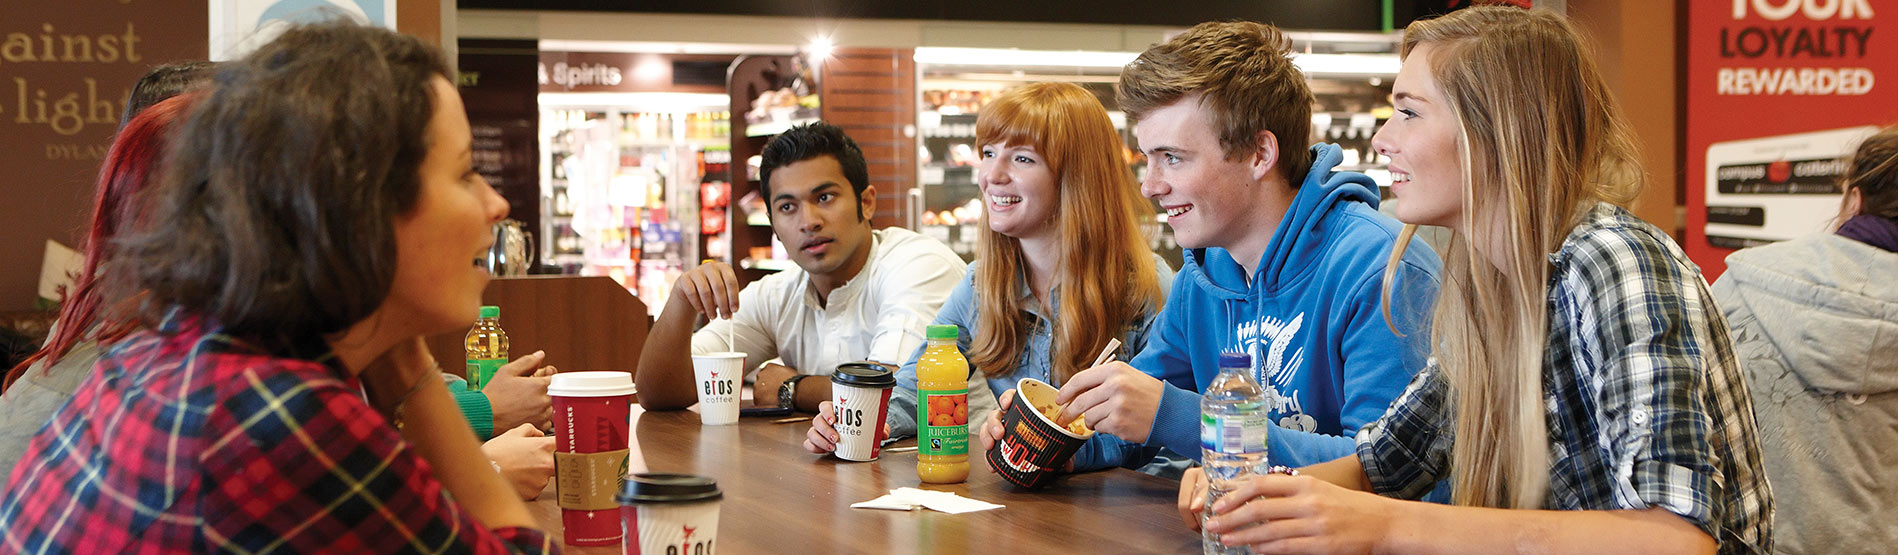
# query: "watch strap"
[[787, 391]]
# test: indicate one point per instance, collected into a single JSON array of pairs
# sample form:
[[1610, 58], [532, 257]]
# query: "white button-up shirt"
[[878, 315]]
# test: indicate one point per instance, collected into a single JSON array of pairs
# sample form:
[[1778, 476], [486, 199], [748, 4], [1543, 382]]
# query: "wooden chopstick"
[[1107, 353]]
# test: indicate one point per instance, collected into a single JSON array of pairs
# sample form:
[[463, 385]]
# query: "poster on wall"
[[66, 69], [1779, 92], [239, 26], [1776, 188]]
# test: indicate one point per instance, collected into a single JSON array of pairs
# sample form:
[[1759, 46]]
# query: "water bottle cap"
[[939, 331], [490, 312], [1235, 360]]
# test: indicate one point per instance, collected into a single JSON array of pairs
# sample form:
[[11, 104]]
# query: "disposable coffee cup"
[[1033, 448], [591, 412], [716, 376], [860, 396], [669, 513]]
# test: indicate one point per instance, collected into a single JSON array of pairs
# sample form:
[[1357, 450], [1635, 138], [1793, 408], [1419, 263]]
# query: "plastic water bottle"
[[1232, 428]]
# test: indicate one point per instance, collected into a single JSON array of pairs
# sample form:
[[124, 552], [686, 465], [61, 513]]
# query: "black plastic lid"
[[668, 488], [863, 374]]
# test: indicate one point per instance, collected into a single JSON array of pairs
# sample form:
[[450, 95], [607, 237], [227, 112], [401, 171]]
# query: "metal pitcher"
[[513, 250]]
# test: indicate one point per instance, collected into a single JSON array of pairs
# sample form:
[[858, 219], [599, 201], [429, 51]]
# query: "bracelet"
[[397, 414], [1286, 470]]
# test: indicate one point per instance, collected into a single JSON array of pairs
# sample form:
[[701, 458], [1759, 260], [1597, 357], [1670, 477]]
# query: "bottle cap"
[[939, 331], [490, 312], [1235, 360]]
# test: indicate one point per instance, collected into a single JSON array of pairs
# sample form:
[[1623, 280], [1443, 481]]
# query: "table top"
[[779, 497]]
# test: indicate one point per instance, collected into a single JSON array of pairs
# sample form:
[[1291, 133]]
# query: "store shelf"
[[701, 144], [775, 127], [768, 264]]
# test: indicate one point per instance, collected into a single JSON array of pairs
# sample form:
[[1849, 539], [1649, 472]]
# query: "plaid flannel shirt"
[[188, 440], [1646, 403]]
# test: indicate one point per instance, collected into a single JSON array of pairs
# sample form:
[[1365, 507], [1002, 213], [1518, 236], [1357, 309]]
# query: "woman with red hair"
[[46, 379]]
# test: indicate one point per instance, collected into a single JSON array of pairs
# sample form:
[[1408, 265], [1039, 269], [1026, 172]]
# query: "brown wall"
[[1635, 43], [422, 18], [50, 163], [871, 94]]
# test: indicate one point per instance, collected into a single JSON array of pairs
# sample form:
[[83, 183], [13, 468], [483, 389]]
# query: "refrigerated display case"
[[622, 186]]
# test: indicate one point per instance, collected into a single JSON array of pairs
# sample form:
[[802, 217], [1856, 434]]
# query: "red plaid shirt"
[[188, 440]]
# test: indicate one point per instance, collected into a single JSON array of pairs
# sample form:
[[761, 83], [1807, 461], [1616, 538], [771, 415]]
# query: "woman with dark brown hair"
[[318, 216]]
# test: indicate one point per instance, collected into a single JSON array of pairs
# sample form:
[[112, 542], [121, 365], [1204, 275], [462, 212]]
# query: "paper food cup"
[[1033, 448], [716, 377], [669, 513], [860, 396], [591, 411]]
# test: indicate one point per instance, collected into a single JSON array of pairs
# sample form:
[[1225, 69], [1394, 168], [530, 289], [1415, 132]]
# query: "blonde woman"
[[1583, 396], [1062, 266]]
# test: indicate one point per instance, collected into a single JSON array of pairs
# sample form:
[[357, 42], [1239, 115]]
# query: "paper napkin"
[[909, 499]]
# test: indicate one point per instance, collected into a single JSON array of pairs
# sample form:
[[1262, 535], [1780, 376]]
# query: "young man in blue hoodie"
[[1285, 260]]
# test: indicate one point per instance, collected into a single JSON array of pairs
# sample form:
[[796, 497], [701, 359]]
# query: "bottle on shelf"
[[1233, 424], [486, 348], [942, 409]]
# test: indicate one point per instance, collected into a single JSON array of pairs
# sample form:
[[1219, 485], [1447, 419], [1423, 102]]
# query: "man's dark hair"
[[277, 208], [164, 82], [809, 141]]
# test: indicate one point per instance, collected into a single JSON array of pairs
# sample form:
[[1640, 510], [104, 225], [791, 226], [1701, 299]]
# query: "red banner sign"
[[1777, 92]]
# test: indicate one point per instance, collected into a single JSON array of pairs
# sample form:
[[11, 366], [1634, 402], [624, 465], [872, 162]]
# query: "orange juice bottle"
[[942, 410]]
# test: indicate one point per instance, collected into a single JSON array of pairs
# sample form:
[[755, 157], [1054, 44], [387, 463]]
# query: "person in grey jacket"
[[1815, 324]]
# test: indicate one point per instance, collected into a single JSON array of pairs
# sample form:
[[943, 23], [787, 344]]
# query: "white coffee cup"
[[678, 511], [716, 378], [860, 397]]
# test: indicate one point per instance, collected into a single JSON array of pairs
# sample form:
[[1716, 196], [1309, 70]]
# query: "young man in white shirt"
[[857, 293]]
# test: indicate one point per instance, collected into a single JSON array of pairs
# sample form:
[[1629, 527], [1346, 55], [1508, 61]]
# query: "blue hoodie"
[[1312, 318]]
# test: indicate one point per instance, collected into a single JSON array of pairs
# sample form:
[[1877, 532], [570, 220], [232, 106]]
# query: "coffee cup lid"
[[668, 488], [863, 374], [590, 384]]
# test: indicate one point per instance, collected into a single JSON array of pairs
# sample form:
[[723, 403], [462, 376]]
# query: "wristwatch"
[[787, 391]]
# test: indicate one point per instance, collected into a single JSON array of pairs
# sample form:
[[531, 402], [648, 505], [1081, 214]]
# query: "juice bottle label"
[[480, 370], [943, 422]]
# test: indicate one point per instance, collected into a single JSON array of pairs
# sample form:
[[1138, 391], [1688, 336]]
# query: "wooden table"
[[780, 498]]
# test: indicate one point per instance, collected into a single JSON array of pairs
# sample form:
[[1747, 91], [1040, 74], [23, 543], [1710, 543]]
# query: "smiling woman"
[[1582, 392], [318, 216]]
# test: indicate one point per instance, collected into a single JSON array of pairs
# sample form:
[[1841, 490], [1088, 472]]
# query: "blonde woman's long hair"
[[1541, 141], [1105, 272]]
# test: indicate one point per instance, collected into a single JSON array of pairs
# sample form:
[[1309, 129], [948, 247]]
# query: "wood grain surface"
[[782, 499]]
